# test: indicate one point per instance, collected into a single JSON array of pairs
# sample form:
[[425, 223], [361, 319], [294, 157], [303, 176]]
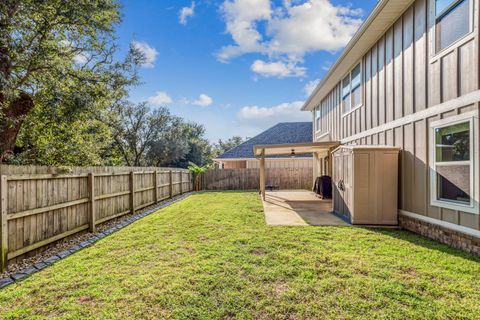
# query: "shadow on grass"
[[399, 234], [422, 241]]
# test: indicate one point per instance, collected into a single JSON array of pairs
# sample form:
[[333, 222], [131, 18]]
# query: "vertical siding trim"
[[414, 60], [427, 45], [370, 109], [384, 120], [457, 73], [402, 71]]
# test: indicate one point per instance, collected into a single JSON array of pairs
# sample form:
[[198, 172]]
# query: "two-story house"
[[409, 78]]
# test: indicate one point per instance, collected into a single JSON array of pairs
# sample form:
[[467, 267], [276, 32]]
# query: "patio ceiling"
[[295, 148]]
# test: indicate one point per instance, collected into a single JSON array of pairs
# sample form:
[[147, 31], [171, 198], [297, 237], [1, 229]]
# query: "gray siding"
[[401, 76]]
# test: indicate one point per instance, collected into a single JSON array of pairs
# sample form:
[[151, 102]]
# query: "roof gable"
[[281, 133]]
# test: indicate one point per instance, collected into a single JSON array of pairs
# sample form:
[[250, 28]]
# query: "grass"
[[211, 256]]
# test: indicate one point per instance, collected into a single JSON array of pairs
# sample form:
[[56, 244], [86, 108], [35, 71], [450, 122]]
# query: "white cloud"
[[288, 31], [263, 117], [241, 17], [310, 87], [160, 98], [81, 58], [185, 13], [69, 47], [326, 65], [149, 53], [203, 100], [312, 26], [277, 69]]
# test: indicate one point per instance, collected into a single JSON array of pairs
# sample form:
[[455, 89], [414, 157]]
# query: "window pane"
[[356, 77], [441, 5], [453, 183], [453, 25], [452, 143], [317, 118], [356, 97], [346, 86], [346, 104]]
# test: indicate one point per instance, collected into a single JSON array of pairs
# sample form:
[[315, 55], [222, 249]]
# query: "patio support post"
[[262, 177], [330, 161]]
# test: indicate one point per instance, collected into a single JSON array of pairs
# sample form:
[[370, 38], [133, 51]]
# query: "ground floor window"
[[452, 163]]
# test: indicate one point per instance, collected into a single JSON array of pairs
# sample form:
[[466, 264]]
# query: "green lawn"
[[211, 256]]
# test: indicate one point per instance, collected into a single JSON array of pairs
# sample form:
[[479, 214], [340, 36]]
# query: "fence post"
[[155, 185], [170, 179], [91, 200], [192, 186], [132, 192], [181, 182], [3, 223]]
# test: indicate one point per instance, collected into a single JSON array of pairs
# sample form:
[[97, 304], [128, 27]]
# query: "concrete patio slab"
[[298, 208]]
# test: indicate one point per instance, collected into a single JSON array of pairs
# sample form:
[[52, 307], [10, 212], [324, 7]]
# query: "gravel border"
[[62, 249]]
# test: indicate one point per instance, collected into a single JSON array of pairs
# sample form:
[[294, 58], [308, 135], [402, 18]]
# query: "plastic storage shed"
[[365, 184]]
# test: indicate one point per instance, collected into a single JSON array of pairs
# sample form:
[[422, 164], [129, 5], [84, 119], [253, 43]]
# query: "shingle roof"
[[283, 132]]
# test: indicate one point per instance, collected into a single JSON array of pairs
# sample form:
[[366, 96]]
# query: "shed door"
[[342, 183], [336, 180], [348, 184]]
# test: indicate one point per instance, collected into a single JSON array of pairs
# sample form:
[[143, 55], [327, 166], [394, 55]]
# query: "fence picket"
[[41, 205], [91, 202], [248, 179], [3, 223]]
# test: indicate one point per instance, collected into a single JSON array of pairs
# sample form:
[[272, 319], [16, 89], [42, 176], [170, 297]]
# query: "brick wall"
[[450, 237]]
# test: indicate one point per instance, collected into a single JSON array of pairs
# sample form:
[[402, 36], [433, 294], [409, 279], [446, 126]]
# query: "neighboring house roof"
[[284, 132], [382, 17]]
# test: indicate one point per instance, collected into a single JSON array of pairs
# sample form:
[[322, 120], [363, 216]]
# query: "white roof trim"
[[297, 148], [385, 13], [298, 157]]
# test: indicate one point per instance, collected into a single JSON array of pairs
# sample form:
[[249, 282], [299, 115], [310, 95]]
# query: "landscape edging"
[[23, 274]]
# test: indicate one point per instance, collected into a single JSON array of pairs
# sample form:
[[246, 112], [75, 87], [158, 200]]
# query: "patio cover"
[[262, 151]]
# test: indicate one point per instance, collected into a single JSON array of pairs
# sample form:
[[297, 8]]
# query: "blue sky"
[[236, 66]]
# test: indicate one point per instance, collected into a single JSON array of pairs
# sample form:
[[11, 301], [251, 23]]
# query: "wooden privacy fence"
[[39, 209], [248, 179]]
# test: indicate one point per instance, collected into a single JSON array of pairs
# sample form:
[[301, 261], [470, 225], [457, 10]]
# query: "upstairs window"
[[352, 89], [452, 20], [317, 119], [452, 164]]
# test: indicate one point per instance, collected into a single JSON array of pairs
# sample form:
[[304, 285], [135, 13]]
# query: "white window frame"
[[349, 74], [317, 121], [473, 207], [438, 53]]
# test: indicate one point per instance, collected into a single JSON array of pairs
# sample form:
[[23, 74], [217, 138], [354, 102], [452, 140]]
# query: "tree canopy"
[[223, 146], [47, 49], [64, 96]]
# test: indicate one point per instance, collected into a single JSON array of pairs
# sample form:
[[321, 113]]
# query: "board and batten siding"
[[402, 76]]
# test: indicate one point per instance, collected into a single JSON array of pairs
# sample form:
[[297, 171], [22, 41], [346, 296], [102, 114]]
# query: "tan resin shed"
[[365, 184]]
